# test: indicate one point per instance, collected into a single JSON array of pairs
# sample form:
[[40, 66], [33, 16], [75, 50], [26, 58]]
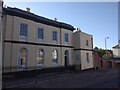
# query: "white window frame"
[[39, 66], [55, 63], [55, 41], [40, 39], [23, 38], [65, 38], [19, 66]]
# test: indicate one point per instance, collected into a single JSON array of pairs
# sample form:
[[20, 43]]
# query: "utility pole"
[[106, 50]]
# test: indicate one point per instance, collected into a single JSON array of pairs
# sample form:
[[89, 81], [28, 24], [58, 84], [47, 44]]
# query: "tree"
[[100, 51]]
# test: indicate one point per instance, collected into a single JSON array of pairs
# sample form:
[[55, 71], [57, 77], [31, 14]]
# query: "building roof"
[[36, 18], [117, 46], [79, 31]]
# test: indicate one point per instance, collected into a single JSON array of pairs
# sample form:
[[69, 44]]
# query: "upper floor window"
[[23, 31], [66, 37], [40, 33], [87, 43], [54, 35], [54, 56]]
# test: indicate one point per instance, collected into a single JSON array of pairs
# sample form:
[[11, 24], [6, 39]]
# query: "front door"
[[66, 61]]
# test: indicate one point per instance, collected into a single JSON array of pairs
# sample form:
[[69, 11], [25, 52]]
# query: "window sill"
[[54, 41], [23, 38], [39, 66], [54, 64], [65, 42], [40, 40]]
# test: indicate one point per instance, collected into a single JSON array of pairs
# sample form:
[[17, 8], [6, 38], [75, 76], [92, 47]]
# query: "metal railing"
[[34, 71]]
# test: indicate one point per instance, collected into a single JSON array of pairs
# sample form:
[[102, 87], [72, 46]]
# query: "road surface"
[[86, 79]]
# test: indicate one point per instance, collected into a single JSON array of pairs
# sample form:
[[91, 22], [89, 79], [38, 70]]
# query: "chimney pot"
[[55, 19], [27, 9]]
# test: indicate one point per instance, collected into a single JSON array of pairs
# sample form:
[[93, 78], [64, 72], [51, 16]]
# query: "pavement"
[[106, 78]]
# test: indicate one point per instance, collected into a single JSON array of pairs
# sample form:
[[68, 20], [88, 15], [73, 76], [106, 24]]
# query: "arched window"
[[22, 57], [40, 56], [66, 53], [54, 56]]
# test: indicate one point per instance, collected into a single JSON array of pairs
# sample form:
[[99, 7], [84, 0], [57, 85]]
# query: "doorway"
[[66, 56]]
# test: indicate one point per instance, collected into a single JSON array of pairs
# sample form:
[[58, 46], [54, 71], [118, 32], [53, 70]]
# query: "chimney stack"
[[78, 29], [27, 9], [55, 19]]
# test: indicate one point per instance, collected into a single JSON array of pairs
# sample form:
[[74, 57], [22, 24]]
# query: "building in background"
[[83, 49], [116, 53], [116, 50]]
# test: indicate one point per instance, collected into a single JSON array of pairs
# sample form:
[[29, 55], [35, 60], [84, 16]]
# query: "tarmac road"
[[85, 79]]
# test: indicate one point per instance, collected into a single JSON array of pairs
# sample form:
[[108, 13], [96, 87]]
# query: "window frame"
[[41, 64], [23, 37], [87, 57], [66, 38], [22, 67], [87, 43], [55, 60], [41, 30], [54, 36]]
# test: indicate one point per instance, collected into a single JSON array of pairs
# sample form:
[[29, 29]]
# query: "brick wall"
[[97, 60]]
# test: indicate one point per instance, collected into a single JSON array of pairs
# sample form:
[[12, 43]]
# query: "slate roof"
[[117, 46], [36, 18]]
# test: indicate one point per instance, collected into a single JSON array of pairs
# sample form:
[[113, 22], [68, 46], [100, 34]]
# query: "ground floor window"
[[54, 56], [22, 60], [40, 56], [87, 57]]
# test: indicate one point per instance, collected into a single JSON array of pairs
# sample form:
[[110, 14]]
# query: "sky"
[[99, 19]]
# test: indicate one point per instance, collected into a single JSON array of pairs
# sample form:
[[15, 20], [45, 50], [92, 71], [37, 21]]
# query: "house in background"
[[116, 54], [116, 50], [83, 49], [101, 62]]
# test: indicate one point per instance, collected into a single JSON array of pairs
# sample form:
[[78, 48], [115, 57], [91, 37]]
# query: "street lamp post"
[[106, 50]]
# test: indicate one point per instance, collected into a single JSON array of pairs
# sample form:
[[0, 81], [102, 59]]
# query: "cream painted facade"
[[65, 46], [13, 43], [83, 52], [116, 50]]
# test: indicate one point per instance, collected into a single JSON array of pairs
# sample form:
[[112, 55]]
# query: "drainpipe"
[[2, 27], [61, 43], [1, 5], [12, 44]]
